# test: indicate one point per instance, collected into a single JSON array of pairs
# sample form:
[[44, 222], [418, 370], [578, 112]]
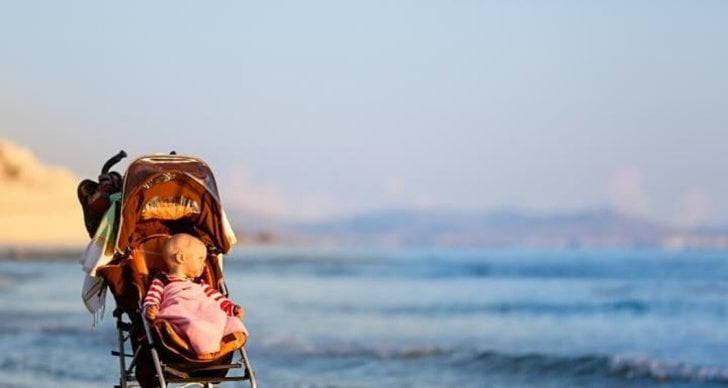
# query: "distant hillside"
[[38, 205], [597, 228]]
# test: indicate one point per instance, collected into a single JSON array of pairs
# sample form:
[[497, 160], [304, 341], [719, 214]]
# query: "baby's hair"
[[180, 242]]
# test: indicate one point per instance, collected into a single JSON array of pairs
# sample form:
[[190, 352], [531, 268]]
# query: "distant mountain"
[[592, 228]]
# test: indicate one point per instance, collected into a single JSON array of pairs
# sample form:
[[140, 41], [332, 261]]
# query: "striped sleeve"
[[154, 295], [225, 304]]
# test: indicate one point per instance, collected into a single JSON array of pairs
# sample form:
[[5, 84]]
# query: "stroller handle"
[[114, 159]]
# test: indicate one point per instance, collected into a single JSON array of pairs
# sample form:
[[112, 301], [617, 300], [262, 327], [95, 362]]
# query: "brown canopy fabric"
[[168, 194]]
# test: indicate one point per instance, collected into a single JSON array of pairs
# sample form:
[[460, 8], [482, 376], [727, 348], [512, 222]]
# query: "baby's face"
[[194, 260]]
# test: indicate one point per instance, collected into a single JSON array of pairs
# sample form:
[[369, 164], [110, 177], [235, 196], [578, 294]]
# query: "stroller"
[[161, 195]]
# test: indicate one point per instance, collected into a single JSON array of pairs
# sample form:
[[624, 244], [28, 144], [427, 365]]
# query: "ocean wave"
[[11, 277], [490, 363], [636, 368], [6, 281], [532, 308], [485, 264], [291, 345], [436, 269], [605, 366], [53, 367], [43, 322], [624, 306]]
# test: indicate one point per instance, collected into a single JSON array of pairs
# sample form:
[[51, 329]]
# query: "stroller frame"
[[163, 195]]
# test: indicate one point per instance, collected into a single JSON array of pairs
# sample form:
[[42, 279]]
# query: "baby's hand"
[[238, 311], [152, 312]]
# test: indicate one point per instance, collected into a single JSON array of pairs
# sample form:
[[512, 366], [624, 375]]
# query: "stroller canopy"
[[168, 194]]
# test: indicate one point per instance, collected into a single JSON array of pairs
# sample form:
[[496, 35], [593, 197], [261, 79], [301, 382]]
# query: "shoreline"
[[51, 253]]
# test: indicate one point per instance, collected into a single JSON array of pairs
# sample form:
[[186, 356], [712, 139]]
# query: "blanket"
[[196, 317]]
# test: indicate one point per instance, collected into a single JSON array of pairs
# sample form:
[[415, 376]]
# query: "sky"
[[329, 108]]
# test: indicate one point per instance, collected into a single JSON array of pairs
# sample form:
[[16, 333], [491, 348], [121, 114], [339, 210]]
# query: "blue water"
[[415, 318]]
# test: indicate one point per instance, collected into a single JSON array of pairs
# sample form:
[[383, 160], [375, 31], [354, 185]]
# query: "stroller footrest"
[[176, 372], [207, 379], [219, 367]]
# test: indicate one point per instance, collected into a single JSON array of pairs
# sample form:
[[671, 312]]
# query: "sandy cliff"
[[38, 205]]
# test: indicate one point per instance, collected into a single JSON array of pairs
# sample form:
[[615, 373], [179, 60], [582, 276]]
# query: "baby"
[[196, 311]]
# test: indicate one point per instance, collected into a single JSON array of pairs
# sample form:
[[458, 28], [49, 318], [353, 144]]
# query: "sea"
[[414, 317]]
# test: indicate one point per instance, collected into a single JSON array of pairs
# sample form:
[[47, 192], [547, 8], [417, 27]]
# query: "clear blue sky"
[[326, 108]]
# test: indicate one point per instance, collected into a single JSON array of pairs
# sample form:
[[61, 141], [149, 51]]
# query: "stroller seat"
[[147, 262]]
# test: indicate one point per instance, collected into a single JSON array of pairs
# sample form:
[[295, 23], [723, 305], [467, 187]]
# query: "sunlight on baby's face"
[[194, 261]]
